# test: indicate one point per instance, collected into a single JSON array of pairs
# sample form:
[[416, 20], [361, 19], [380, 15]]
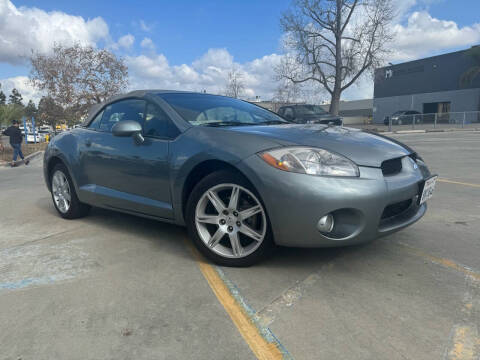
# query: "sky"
[[192, 45]]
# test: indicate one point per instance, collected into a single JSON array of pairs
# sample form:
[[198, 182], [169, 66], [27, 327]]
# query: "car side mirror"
[[127, 128]]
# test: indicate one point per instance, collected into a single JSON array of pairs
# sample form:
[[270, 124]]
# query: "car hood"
[[363, 148]]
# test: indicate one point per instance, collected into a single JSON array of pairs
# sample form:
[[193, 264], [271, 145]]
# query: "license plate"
[[428, 188]]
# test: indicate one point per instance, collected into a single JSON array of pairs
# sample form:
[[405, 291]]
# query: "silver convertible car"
[[240, 177]]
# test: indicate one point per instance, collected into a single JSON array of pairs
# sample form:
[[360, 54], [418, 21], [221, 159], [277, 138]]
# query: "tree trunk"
[[337, 88], [335, 102]]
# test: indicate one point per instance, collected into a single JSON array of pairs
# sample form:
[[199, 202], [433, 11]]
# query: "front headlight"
[[312, 161]]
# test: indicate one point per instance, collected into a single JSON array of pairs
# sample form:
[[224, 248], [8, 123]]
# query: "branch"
[[352, 8]]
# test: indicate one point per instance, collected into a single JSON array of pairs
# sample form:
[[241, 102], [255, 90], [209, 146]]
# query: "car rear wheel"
[[227, 221], [64, 196]]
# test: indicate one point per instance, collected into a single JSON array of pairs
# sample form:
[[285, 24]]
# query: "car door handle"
[[88, 142]]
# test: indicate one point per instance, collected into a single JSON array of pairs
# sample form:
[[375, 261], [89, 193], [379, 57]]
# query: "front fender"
[[63, 147], [201, 144]]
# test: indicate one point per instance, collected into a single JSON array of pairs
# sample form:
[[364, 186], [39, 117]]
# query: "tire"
[[221, 231], [67, 208]]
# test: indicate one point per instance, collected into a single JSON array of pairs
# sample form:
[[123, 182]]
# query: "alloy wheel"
[[230, 220], [61, 191]]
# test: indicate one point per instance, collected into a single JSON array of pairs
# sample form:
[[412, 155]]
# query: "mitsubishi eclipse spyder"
[[239, 177]]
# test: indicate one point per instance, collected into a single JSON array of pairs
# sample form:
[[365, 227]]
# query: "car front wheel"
[[227, 221], [64, 196]]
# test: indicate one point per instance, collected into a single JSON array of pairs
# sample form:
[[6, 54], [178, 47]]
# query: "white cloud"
[[23, 29], [147, 43], [209, 72], [362, 89], [146, 27], [23, 86], [214, 58], [418, 34], [126, 41], [423, 35]]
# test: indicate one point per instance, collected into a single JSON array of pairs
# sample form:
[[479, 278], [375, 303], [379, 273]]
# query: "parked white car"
[[38, 137]]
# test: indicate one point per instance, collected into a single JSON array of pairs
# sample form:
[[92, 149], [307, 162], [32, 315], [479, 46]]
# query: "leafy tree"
[[15, 98], [76, 77], [30, 110], [331, 43], [3, 98], [10, 112], [2, 106], [49, 112]]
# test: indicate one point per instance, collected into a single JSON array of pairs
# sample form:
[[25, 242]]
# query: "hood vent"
[[391, 167]]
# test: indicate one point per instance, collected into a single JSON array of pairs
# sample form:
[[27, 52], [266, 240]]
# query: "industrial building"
[[430, 86]]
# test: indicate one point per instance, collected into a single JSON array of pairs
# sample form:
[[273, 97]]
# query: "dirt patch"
[[6, 152]]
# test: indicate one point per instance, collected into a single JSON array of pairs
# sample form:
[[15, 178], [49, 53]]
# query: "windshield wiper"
[[274, 122], [239, 123], [228, 123]]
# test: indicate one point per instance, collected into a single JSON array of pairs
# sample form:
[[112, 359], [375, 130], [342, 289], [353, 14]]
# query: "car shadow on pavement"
[[109, 223], [164, 235]]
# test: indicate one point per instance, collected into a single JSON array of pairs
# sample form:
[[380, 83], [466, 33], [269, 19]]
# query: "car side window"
[[157, 123], [288, 113], [95, 123], [131, 109]]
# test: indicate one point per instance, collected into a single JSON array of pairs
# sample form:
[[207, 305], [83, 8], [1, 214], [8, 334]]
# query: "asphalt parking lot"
[[113, 286]]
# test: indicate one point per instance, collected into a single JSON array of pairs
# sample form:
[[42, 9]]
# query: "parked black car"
[[308, 114], [404, 117]]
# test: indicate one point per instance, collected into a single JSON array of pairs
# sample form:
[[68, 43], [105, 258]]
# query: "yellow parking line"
[[442, 261], [262, 348], [457, 182], [465, 340]]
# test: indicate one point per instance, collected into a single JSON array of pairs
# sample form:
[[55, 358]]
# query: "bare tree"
[[287, 92], [333, 42], [235, 86], [76, 77]]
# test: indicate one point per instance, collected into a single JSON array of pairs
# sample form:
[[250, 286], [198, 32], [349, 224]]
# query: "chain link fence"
[[464, 119]]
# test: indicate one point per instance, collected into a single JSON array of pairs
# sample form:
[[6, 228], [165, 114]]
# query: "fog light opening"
[[326, 223]]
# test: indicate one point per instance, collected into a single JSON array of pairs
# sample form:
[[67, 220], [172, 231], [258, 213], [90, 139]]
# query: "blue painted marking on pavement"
[[265, 331]]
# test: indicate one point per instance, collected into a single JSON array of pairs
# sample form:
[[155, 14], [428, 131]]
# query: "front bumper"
[[296, 202]]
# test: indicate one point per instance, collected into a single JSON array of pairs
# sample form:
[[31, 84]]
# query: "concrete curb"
[[410, 131], [421, 131], [28, 157]]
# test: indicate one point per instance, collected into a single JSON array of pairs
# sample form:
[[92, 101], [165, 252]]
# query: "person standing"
[[16, 138]]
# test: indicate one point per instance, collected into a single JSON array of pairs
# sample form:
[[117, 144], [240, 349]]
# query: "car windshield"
[[215, 110], [310, 110], [399, 112]]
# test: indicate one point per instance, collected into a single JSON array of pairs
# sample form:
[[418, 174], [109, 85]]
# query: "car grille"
[[391, 167], [396, 209]]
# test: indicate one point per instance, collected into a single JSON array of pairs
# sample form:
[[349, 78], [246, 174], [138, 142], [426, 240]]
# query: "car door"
[[122, 173]]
